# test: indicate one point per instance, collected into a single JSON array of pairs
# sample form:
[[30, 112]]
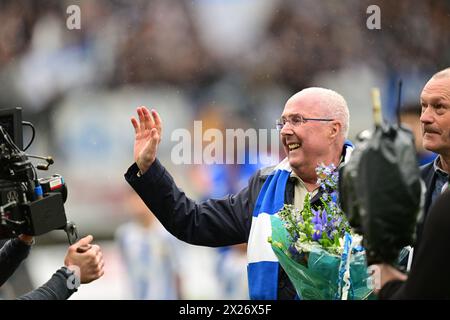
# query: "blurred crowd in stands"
[[180, 43]]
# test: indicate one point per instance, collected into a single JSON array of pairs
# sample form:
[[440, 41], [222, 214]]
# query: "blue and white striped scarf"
[[263, 265]]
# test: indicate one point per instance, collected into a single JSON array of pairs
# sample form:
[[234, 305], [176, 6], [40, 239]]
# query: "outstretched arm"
[[59, 287], [83, 264], [215, 222]]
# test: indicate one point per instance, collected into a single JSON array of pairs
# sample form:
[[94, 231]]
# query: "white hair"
[[442, 74], [333, 103]]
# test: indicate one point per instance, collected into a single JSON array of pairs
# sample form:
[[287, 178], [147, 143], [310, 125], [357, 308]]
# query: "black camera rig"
[[28, 204]]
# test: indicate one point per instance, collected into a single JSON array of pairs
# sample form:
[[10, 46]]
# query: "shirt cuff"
[[154, 172]]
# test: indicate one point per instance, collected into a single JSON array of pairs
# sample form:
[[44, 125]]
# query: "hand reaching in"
[[383, 273], [147, 137], [86, 259]]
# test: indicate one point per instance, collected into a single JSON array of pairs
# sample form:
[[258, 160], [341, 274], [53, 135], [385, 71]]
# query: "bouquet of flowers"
[[317, 248]]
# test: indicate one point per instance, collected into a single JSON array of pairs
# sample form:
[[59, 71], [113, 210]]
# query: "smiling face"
[[313, 142], [435, 118]]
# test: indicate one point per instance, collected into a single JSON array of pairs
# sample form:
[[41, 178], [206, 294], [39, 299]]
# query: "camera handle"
[[72, 235], [71, 230]]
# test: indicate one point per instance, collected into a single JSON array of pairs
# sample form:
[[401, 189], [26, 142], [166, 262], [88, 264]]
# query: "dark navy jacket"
[[429, 177], [212, 223]]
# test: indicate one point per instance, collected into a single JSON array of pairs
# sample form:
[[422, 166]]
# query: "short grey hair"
[[332, 102]]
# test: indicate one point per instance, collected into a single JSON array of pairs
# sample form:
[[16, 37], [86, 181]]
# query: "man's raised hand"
[[147, 137]]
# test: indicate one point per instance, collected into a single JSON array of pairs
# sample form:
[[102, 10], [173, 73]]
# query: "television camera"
[[28, 204]]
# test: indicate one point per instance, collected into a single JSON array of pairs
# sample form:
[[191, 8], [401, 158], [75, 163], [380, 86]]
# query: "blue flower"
[[317, 235], [293, 250], [333, 233], [320, 221], [334, 196], [320, 217], [327, 177]]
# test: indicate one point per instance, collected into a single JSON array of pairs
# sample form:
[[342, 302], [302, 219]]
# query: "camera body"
[[28, 205], [381, 191]]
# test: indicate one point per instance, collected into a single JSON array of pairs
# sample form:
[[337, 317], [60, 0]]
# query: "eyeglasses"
[[296, 121]]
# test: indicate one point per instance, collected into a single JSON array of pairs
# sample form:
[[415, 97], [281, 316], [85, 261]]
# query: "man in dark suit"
[[435, 120]]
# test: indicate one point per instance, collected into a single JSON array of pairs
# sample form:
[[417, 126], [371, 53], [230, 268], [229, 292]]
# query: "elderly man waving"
[[313, 129]]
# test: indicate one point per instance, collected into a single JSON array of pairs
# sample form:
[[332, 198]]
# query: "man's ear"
[[335, 129]]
